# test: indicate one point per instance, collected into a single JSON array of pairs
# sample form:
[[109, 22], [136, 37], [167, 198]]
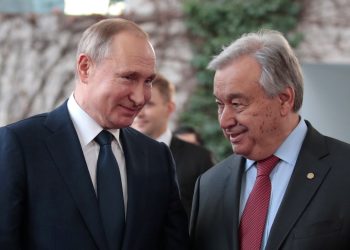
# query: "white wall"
[[327, 99]]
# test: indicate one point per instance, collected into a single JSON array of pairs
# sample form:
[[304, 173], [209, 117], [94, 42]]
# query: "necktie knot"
[[266, 165], [104, 138]]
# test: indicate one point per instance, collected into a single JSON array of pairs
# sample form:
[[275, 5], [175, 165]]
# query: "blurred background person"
[[189, 134], [153, 120]]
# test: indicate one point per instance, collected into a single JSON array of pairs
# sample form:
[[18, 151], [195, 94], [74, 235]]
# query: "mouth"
[[130, 111], [235, 138]]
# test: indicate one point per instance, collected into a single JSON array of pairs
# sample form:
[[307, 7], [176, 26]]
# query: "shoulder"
[[338, 149], [337, 144], [36, 123], [178, 144], [26, 126], [20, 135], [223, 168], [319, 143], [214, 180]]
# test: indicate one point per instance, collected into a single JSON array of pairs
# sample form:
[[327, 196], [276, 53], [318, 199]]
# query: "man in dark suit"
[[191, 160], [244, 202], [50, 164]]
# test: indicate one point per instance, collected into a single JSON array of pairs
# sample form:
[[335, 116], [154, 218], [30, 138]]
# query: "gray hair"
[[95, 41], [280, 67]]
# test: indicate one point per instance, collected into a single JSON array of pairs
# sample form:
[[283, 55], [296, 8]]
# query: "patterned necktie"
[[110, 192], [253, 219]]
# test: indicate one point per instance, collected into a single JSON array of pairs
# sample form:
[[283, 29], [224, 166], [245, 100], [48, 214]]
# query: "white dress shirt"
[[87, 129], [165, 137], [288, 153]]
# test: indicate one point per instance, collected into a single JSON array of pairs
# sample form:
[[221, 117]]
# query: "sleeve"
[[12, 190], [176, 226]]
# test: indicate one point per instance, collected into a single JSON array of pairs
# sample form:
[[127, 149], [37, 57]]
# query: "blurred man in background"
[[189, 134], [153, 120]]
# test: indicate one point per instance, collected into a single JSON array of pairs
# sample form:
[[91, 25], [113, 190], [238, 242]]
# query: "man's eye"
[[236, 104], [220, 107], [149, 82], [149, 104], [127, 77]]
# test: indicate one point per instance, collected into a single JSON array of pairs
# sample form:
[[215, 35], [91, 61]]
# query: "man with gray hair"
[[79, 177], [282, 187]]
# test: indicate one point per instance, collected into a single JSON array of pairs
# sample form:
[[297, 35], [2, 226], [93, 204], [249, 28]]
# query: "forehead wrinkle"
[[142, 60], [138, 62]]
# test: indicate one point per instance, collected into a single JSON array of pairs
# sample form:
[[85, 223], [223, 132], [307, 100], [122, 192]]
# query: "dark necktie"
[[110, 192], [253, 219]]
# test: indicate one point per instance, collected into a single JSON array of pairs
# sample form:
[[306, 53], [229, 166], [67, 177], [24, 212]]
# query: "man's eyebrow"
[[134, 74], [231, 96], [235, 95], [152, 77]]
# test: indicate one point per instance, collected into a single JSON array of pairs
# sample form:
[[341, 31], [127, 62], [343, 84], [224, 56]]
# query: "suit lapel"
[[232, 193], [136, 161], [66, 152], [300, 189]]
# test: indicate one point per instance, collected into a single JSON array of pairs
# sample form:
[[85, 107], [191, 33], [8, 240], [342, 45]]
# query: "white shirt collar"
[[86, 127], [165, 137], [290, 148]]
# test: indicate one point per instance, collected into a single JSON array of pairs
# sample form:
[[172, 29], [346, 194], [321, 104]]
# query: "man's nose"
[[227, 118], [138, 94]]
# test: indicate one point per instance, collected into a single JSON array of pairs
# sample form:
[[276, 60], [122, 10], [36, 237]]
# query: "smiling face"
[[114, 90], [254, 123]]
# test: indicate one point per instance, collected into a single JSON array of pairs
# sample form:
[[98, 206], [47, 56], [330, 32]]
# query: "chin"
[[238, 149], [120, 124], [234, 149]]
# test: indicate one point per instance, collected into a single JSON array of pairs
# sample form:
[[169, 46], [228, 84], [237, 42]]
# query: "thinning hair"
[[279, 65], [165, 87], [95, 41]]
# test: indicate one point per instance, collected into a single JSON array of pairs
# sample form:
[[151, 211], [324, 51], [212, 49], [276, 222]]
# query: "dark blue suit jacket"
[[47, 200]]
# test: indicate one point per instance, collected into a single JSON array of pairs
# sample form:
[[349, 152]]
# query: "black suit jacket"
[[191, 161], [314, 213], [47, 200]]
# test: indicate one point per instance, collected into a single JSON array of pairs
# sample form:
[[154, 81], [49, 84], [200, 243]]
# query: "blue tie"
[[110, 192]]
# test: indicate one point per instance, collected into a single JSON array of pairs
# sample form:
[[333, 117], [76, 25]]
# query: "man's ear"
[[287, 99], [84, 67], [171, 107]]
